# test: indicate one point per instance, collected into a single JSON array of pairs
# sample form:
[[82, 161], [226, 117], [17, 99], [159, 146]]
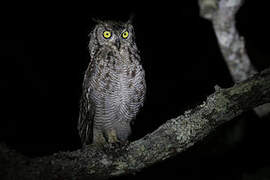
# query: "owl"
[[114, 85]]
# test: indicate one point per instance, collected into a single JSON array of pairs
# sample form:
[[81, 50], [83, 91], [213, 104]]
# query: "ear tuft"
[[131, 18], [96, 20]]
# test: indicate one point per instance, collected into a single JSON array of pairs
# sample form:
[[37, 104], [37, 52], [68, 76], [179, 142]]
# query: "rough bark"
[[222, 15], [170, 139]]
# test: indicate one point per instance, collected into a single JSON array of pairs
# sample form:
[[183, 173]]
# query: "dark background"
[[43, 56]]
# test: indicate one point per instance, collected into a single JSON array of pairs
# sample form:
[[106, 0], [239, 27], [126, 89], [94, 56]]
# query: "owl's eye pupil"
[[107, 34]]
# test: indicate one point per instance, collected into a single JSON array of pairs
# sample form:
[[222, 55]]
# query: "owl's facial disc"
[[115, 34]]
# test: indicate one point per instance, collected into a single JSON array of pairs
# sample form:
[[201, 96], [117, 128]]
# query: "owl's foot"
[[113, 145], [109, 142], [112, 137]]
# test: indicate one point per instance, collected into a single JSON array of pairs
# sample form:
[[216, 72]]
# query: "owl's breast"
[[119, 90], [117, 85]]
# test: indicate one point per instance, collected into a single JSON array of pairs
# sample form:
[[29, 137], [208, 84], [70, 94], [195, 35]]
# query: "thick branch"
[[170, 139], [222, 15]]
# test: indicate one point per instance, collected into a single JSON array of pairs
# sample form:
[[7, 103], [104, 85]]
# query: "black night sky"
[[43, 56]]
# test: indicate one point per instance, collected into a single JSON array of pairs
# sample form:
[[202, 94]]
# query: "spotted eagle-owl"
[[113, 86]]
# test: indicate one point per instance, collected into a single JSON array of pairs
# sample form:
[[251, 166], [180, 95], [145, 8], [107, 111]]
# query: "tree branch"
[[170, 139], [222, 15]]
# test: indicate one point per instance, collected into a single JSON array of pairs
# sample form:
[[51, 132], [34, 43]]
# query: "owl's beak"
[[117, 43]]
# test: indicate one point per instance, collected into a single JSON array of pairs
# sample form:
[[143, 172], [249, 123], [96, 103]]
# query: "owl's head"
[[114, 34]]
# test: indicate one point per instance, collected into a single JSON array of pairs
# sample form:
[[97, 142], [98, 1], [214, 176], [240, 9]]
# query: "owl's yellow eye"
[[107, 34], [125, 34]]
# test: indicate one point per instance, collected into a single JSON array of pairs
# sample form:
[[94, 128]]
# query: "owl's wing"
[[86, 116], [87, 110]]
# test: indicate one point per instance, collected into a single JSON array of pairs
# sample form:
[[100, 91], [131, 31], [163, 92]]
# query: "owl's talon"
[[112, 137]]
